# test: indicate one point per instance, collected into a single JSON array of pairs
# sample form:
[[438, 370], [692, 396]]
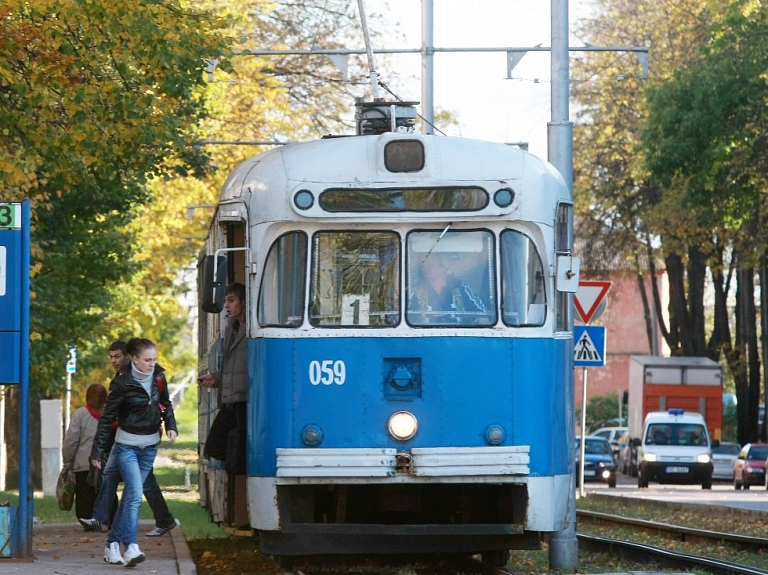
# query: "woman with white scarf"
[[139, 402]]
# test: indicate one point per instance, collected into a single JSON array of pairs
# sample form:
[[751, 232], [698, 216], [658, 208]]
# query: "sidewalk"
[[65, 549]]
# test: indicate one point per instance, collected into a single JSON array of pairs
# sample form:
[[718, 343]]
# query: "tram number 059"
[[327, 372]]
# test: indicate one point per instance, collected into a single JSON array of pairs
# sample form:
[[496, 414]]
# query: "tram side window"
[[524, 297], [451, 279], [355, 279], [281, 297]]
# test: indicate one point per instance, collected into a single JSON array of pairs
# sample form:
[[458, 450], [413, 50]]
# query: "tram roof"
[[358, 162]]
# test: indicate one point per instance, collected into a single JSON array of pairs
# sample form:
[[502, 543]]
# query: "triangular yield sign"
[[588, 297]]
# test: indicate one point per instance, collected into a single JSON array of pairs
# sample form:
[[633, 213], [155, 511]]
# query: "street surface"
[[722, 493]]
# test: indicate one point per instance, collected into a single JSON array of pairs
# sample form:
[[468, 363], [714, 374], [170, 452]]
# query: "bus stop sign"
[[11, 297]]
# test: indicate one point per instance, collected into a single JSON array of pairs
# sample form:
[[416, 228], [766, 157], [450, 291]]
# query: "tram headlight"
[[311, 435], [494, 434], [402, 426]]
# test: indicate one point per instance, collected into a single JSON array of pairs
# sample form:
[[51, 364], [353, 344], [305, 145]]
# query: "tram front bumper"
[[459, 462]]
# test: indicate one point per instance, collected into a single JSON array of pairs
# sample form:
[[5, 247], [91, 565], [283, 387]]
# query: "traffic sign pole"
[[589, 349]]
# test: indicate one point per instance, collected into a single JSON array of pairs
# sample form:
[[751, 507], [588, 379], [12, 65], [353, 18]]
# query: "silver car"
[[723, 457]]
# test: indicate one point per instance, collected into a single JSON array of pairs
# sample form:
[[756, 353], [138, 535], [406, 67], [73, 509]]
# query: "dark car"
[[749, 467], [598, 461]]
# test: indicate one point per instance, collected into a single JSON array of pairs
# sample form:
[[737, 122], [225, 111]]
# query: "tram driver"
[[438, 297]]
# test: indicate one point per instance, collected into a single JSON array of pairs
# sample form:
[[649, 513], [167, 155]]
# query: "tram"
[[410, 348]]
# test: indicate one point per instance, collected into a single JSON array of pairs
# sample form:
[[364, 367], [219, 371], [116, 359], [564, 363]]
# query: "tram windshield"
[[355, 279], [451, 278], [281, 300], [524, 298]]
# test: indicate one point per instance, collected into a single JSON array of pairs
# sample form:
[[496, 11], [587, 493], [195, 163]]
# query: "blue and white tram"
[[383, 417]]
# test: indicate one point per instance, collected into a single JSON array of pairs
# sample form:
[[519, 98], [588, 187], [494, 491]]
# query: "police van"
[[675, 448]]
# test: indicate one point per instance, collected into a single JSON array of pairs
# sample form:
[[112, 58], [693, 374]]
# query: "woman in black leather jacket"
[[139, 402]]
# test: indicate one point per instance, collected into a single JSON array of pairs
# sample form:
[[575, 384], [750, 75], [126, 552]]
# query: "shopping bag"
[[65, 489]]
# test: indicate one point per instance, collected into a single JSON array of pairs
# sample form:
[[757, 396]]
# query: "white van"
[[675, 448]]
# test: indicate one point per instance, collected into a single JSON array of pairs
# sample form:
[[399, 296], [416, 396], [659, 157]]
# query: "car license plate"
[[589, 473], [677, 470]]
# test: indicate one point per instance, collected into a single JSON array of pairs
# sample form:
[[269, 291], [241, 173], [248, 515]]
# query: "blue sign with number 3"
[[11, 298]]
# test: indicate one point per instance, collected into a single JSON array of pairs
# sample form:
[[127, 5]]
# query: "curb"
[[184, 562]]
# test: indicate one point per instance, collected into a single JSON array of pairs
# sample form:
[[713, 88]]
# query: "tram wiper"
[[440, 237]]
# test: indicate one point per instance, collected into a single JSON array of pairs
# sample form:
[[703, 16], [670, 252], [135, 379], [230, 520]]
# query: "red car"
[[749, 467]]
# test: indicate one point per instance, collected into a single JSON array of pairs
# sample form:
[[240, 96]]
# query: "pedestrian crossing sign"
[[589, 345]]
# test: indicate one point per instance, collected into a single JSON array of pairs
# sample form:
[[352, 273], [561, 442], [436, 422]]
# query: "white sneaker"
[[112, 554], [133, 555]]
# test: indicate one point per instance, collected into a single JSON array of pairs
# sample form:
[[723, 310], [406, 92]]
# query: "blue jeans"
[[135, 464], [106, 502]]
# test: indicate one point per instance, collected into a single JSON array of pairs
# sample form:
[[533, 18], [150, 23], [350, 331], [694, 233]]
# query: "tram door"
[[224, 493]]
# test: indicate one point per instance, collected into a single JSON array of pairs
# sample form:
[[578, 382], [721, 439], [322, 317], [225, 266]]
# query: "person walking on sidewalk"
[[105, 506], [139, 402], [78, 442]]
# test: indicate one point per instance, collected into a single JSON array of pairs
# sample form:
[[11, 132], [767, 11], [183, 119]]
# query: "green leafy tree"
[[97, 98], [705, 142], [613, 190], [602, 411]]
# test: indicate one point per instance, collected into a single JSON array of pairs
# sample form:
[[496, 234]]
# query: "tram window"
[[524, 295], [355, 279], [404, 200], [281, 299], [451, 279]]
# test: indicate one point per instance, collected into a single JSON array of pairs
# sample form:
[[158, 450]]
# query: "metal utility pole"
[[427, 66], [563, 545]]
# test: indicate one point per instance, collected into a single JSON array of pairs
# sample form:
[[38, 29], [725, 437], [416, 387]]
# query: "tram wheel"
[[496, 558]]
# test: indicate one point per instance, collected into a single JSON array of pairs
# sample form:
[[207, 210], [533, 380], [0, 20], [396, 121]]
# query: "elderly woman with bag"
[[78, 442]]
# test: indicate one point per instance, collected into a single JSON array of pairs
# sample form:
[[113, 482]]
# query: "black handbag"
[[236, 450], [218, 435], [94, 476]]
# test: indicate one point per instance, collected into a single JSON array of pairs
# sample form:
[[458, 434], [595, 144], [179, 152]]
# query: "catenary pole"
[[427, 66], [563, 545]]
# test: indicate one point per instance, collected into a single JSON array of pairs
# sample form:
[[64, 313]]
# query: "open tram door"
[[224, 261]]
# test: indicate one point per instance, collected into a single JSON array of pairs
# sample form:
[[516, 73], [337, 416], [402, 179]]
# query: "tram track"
[[663, 558], [677, 531]]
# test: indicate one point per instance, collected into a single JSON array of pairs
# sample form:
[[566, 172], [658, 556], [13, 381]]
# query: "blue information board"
[[11, 298], [589, 345]]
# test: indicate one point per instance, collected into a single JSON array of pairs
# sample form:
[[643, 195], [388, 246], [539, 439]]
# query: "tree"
[[613, 190], [96, 99], [705, 141], [603, 411]]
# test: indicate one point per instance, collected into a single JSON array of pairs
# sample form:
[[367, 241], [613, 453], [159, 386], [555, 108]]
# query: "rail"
[[664, 558], [683, 533]]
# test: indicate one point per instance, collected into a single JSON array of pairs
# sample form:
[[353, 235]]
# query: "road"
[[722, 493]]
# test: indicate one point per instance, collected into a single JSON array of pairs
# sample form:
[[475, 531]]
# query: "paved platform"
[[65, 549]]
